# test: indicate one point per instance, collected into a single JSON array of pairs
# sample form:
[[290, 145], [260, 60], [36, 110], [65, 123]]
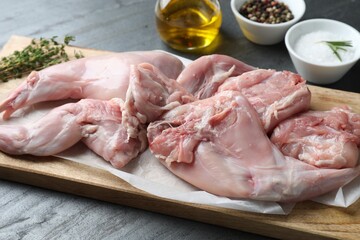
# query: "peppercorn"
[[266, 11]]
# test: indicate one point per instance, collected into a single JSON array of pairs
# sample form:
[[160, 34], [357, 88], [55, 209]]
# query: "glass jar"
[[186, 24]]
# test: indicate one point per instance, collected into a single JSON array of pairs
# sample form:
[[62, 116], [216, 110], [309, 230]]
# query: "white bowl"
[[322, 73], [264, 33]]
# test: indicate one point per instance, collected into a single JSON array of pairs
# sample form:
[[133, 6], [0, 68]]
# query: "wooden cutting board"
[[308, 220]]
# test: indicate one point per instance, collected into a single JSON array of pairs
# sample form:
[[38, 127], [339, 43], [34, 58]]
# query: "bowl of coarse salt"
[[323, 50]]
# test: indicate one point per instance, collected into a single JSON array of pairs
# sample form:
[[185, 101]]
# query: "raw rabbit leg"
[[55, 132], [100, 77], [150, 94], [326, 139], [110, 140], [274, 95], [203, 76], [97, 122]]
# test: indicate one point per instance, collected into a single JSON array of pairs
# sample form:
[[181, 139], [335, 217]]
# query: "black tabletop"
[[123, 25]]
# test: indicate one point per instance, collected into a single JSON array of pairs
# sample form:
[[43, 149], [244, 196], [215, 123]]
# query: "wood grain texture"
[[307, 220]]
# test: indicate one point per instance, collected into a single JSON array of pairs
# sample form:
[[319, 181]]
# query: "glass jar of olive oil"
[[186, 24]]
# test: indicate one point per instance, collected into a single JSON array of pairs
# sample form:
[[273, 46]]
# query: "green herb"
[[335, 46], [38, 55]]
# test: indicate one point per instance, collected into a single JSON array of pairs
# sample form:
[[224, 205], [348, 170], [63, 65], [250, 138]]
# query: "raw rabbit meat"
[[150, 94], [96, 122], [100, 124], [100, 77], [325, 139], [274, 95], [219, 145], [208, 127], [203, 76]]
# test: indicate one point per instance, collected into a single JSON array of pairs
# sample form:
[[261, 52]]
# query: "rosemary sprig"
[[338, 45], [38, 55]]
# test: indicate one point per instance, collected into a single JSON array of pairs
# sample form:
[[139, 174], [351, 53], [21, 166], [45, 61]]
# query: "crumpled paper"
[[148, 174]]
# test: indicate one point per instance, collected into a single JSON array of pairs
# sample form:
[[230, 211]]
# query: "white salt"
[[311, 46]]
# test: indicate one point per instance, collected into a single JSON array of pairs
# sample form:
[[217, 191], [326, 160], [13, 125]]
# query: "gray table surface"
[[28, 212]]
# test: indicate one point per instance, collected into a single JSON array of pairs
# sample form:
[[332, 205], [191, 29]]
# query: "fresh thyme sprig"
[[38, 55], [338, 45]]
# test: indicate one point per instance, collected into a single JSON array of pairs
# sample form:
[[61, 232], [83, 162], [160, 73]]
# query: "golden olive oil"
[[187, 24]]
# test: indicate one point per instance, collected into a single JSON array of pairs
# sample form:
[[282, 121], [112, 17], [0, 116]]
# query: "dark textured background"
[[32, 213]]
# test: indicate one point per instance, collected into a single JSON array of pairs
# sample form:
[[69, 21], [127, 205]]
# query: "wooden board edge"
[[330, 98]]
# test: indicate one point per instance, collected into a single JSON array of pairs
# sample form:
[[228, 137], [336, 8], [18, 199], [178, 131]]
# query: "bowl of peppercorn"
[[265, 22]]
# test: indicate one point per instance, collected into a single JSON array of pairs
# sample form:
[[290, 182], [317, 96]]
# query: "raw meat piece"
[[100, 77], [203, 76], [325, 139], [219, 145], [151, 93], [113, 129], [97, 122], [274, 95]]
